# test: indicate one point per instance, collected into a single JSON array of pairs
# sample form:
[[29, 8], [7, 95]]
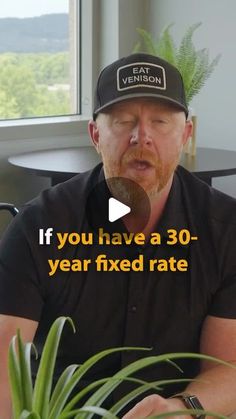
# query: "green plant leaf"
[[43, 383], [43, 408], [166, 48], [201, 73], [24, 355], [96, 410], [186, 54], [149, 45], [29, 415], [97, 383], [101, 394], [137, 47], [63, 380], [94, 385], [82, 393], [155, 385], [82, 370], [193, 65], [15, 379]]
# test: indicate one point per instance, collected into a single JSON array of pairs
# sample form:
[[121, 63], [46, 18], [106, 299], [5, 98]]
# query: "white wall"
[[117, 30], [215, 104]]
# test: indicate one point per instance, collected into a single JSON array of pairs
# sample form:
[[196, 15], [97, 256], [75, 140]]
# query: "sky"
[[29, 8]]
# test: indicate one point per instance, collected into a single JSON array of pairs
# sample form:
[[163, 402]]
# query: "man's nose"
[[141, 134]]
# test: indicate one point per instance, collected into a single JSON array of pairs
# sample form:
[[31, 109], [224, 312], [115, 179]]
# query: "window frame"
[[50, 131]]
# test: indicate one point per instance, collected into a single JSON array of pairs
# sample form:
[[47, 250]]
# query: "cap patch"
[[141, 75]]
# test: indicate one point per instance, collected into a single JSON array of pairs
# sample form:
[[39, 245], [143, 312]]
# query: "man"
[[139, 127]]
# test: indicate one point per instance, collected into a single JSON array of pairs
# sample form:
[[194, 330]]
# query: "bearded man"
[[140, 125]]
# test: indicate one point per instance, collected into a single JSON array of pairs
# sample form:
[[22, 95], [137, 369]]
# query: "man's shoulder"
[[205, 200]]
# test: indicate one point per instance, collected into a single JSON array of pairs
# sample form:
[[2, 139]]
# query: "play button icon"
[[115, 203], [117, 209]]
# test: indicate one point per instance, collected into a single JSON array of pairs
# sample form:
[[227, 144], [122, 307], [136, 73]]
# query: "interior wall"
[[215, 104], [117, 30]]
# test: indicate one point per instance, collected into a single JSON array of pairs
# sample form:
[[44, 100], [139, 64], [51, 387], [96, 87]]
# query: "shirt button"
[[134, 309]]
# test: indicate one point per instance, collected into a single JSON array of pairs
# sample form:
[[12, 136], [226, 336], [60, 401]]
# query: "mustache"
[[140, 154]]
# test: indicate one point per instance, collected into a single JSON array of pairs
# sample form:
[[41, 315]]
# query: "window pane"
[[38, 58]]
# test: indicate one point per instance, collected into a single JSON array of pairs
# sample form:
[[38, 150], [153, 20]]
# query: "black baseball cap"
[[139, 75]]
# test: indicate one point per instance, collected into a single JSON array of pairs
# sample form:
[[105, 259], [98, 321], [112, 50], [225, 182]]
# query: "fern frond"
[[149, 45], [193, 65], [202, 72], [166, 47], [195, 74], [213, 64], [137, 47], [187, 55]]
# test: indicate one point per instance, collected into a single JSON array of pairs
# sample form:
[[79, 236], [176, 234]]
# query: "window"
[[39, 53]]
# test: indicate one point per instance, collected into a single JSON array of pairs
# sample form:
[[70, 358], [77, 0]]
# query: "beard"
[[152, 184]]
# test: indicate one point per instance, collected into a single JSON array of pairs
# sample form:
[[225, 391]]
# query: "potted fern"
[[194, 65], [42, 402]]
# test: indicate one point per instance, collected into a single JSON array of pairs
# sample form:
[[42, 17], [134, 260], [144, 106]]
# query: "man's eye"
[[126, 122], [160, 121]]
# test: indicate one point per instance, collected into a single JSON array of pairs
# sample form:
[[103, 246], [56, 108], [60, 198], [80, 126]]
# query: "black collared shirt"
[[160, 310]]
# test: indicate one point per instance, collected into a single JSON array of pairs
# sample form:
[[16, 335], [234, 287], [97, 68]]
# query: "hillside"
[[47, 33]]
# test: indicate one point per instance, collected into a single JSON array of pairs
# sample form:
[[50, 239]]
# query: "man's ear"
[[94, 134], [188, 131]]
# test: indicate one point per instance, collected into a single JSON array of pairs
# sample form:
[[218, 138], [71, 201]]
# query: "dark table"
[[62, 164]]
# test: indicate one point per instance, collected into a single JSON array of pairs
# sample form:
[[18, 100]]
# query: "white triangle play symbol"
[[116, 209]]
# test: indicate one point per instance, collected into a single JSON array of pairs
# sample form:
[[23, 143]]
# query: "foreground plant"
[[41, 401], [193, 64]]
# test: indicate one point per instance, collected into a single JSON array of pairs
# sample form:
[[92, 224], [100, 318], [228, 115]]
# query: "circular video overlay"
[[118, 204]]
